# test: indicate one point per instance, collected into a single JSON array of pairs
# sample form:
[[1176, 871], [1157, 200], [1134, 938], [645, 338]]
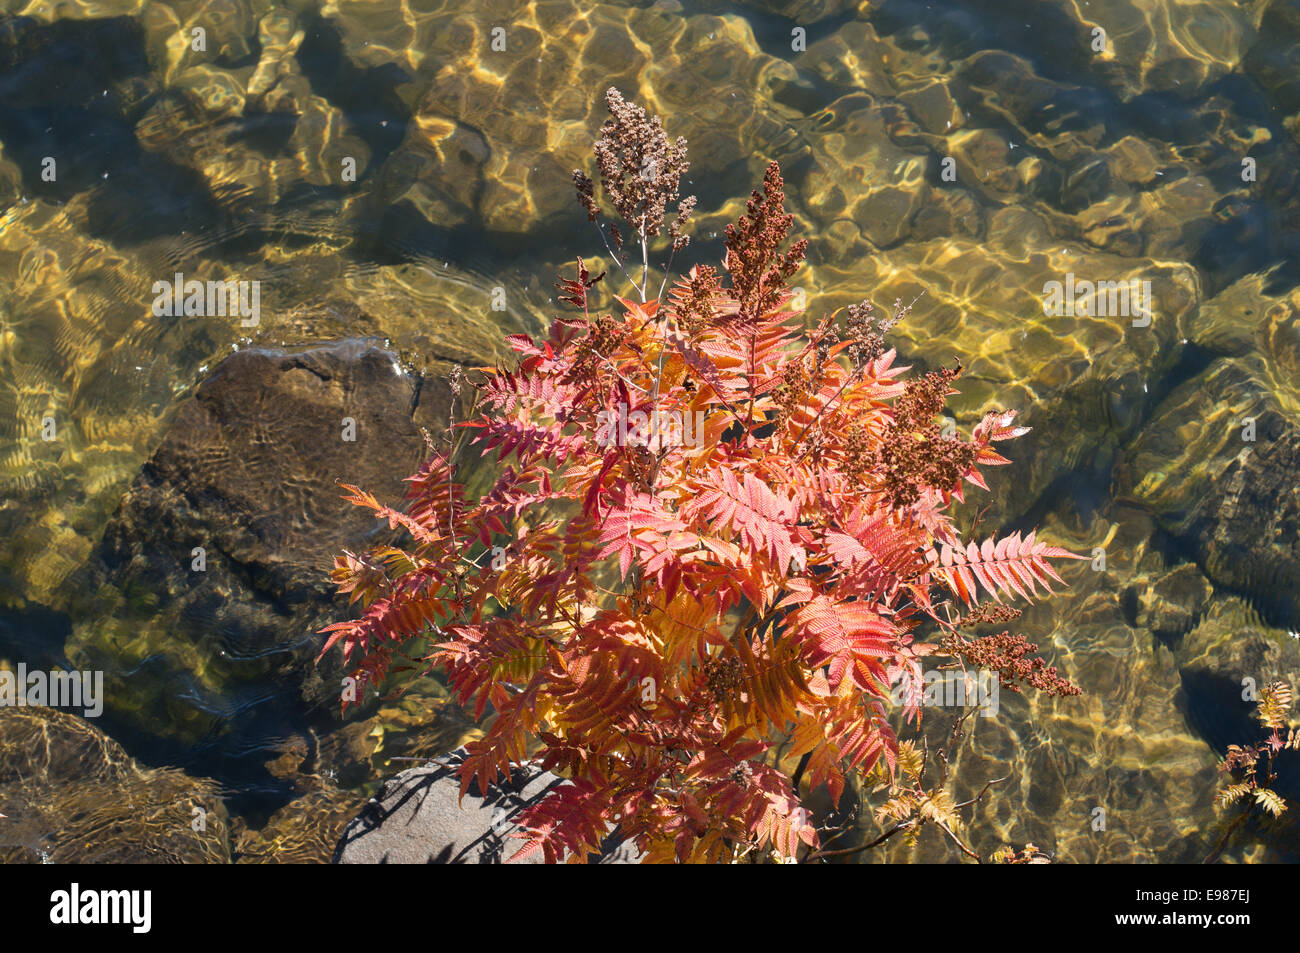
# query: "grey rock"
[[416, 819]]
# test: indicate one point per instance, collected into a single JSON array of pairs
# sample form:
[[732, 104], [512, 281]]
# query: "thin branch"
[[983, 790], [619, 374], [613, 254], [1227, 835], [818, 855], [667, 271], [849, 380], [957, 840], [818, 416], [645, 263]]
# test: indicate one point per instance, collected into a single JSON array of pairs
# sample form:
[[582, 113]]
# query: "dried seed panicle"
[[640, 172]]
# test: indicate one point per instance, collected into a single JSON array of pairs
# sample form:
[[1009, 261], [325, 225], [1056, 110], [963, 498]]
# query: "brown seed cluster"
[[684, 209], [640, 463], [757, 267], [913, 454], [1008, 655], [859, 448], [791, 392], [990, 613], [801, 380], [868, 332], [586, 194], [694, 301], [923, 398], [723, 677], [604, 336], [640, 172]]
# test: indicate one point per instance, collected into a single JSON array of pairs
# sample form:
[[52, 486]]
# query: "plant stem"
[[857, 850], [1223, 841], [645, 263]]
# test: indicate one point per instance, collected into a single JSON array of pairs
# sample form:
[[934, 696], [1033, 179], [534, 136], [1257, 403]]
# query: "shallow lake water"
[[400, 172]]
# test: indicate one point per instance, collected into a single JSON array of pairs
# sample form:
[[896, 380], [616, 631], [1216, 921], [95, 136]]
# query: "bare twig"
[[819, 855]]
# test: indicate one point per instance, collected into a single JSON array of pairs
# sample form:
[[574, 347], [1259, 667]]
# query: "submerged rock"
[[421, 723], [1223, 664], [416, 819], [1172, 604], [72, 795], [1220, 463], [304, 831], [211, 581]]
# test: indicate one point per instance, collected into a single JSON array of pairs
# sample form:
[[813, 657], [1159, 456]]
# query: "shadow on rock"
[[418, 818]]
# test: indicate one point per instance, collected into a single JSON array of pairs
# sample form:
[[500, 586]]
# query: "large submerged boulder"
[[209, 586], [1220, 464]]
